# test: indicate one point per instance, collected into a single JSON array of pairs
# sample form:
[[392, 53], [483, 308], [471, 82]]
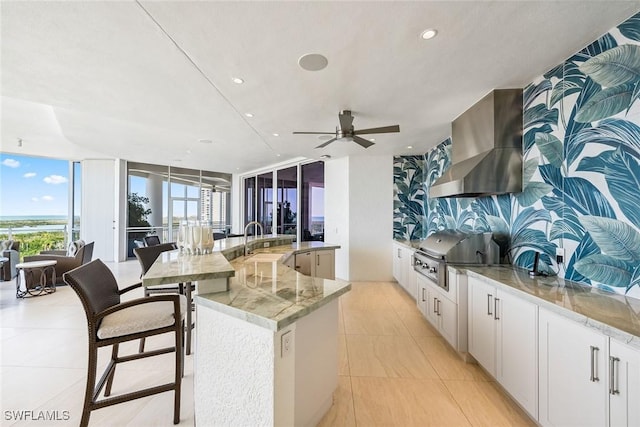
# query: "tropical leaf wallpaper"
[[581, 179]]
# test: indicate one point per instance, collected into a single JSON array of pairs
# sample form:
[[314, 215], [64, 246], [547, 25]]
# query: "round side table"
[[31, 287]]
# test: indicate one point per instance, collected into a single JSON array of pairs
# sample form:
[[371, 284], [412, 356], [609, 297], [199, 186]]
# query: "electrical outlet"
[[267, 244], [286, 343], [559, 255]]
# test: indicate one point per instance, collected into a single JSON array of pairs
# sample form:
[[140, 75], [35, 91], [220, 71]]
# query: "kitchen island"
[[266, 349]]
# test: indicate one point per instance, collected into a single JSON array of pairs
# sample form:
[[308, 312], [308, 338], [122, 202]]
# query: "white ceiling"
[[144, 81]]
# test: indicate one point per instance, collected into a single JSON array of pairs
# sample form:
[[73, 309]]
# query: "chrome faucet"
[[246, 230]]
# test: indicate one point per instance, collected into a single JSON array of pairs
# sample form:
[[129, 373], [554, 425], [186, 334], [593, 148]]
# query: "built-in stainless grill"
[[453, 247]]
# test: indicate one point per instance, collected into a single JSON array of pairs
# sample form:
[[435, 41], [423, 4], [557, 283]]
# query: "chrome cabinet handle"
[[489, 313], [423, 289], [438, 311], [435, 308], [317, 259], [594, 368], [495, 308], [613, 377], [399, 254]]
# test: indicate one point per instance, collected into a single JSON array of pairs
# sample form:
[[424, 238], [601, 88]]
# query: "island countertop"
[[613, 314], [265, 292]]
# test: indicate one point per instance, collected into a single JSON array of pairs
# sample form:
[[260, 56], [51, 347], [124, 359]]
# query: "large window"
[[312, 175], [299, 201], [287, 188], [39, 202], [162, 196]]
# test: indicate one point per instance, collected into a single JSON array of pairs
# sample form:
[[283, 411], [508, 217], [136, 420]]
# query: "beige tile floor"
[[395, 370]]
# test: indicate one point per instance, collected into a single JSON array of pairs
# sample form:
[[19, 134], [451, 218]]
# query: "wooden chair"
[[111, 322], [146, 257]]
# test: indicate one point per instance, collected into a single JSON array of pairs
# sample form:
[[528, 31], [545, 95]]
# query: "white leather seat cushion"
[[140, 318]]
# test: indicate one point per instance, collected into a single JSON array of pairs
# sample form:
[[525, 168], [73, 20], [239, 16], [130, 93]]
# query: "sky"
[[33, 186]]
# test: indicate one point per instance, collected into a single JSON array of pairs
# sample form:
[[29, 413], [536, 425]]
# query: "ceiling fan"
[[347, 131]]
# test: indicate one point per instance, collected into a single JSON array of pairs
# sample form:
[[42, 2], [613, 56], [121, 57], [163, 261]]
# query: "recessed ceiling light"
[[248, 115], [409, 147], [372, 139], [188, 151], [237, 80], [325, 156], [278, 155], [205, 141], [313, 62], [428, 34], [276, 134]]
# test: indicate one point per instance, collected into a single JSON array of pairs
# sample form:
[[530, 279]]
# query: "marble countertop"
[[614, 315], [267, 293], [411, 244], [301, 247]]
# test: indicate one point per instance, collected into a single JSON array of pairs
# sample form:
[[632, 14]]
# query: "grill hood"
[[486, 149]]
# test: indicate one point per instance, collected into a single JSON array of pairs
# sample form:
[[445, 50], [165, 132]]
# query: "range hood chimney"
[[486, 149]]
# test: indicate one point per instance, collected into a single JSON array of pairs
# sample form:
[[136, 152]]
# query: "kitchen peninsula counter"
[[615, 315], [267, 348]]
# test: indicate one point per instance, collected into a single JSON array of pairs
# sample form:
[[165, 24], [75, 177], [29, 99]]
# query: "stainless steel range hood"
[[486, 149]]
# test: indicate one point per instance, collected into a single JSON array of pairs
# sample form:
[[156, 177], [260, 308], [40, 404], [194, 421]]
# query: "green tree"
[[137, 212]]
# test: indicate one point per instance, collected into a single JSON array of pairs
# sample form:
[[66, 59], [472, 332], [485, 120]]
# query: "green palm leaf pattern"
[[631, 28], [622, 174], [614, 237], [606, 103], [614, 67], [550, 147], [605, 269]]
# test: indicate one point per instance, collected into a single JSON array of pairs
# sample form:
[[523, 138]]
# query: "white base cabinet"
[[316, 263], [442, 308], [624, 385], [573, 373], [503, 339], [403, 268]]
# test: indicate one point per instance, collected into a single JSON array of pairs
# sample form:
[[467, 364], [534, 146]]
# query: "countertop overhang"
[[262, 290], [615, 315]]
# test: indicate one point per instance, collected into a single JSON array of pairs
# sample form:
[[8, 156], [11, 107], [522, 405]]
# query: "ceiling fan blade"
[[324, 144], [314, 133], [384, 129], [365, 143], [346, 119]]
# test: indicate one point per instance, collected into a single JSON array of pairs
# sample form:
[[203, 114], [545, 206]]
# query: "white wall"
[[359, 216], [370, 218], [336, 211]]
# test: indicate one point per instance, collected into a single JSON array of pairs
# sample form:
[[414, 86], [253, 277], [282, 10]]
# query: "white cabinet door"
[[624, 385], [448, 315], [412, 282], [482, 329], [397, 261], [517, 349], [432, 305], [421, 296], [324, 264], [573, 377]]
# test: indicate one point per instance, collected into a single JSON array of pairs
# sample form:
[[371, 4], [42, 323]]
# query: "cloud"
[[12, 163], [55, 179], [47, 198], [34, 199], [29, 175]]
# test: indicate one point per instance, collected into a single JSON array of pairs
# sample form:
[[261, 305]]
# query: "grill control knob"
[[432, 270]]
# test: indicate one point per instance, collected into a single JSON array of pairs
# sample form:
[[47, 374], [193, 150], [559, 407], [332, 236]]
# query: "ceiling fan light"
[[237, 80]]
